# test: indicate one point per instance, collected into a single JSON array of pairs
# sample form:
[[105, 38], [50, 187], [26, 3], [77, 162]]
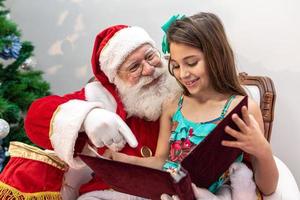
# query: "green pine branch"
[[25, 52], [18, 87], [8, 27]]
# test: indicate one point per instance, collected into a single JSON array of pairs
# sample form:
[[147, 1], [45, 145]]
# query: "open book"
[[203, 166]]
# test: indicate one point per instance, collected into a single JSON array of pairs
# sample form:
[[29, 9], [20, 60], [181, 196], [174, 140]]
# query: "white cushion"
[[253, 92], [287, 188]]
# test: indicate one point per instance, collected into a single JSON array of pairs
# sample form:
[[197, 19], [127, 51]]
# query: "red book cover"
[[210, 159], [203, 166], [140, 181]]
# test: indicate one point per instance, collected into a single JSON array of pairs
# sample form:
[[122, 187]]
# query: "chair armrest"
[[287, 188]]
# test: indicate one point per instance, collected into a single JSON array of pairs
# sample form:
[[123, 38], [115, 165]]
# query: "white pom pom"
[[4, 128]]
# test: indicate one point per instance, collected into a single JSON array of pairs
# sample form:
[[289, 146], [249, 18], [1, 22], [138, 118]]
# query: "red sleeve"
[[39, 115]]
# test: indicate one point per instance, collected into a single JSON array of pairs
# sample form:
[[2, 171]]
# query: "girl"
[[202, 62]]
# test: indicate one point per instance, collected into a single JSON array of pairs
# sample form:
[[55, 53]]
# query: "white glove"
[[107, 128]]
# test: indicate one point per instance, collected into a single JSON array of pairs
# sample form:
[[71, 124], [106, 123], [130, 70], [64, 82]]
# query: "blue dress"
[[185, 135]]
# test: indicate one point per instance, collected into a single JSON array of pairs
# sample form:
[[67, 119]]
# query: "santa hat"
[[115, 43], [111, 48]]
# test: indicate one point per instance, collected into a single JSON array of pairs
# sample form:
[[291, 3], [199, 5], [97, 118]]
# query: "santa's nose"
[[148, 69]]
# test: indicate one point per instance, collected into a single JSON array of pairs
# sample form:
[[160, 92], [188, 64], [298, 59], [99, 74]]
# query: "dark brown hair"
[[205, 31]]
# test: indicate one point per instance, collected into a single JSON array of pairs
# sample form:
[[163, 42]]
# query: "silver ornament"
[[29, 63], [4, 128]]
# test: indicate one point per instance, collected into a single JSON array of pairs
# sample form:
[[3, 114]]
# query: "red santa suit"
[[55, 122]]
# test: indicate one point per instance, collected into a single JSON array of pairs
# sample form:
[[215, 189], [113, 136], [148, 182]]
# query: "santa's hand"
[[168, 197], [105, 128]]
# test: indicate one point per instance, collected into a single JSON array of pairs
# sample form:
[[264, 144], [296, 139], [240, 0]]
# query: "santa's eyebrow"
[[132, 64], [150, 50]]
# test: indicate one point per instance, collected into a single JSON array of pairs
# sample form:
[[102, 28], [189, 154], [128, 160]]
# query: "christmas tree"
[[20, 85]]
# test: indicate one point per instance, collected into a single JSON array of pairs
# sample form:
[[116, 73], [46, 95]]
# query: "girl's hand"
[[113, 155], [250, 138]]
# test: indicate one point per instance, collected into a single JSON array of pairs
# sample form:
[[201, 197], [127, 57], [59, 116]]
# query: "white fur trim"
[[66, 123], [119, 47], [94, 91]]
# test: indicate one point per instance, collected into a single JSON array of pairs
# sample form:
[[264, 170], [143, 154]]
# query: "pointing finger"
[[127, 133]]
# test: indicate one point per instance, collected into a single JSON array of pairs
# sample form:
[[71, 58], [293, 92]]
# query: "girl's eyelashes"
[[174, 65], [189, 62], [192, 64]]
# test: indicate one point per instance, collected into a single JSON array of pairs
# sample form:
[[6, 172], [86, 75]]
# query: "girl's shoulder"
[[237, 99], [252, 104], [253, 107], [170, 104]]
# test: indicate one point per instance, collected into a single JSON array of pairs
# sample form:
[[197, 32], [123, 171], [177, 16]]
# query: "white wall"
[[264, 34]]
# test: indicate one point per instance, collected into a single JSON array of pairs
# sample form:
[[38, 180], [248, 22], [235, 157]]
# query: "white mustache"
[[145, 102], [144, 80]]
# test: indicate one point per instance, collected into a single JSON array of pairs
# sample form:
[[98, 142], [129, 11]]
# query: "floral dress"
[[185, 135]]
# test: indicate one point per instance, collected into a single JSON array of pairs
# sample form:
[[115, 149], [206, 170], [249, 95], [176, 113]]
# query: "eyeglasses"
[[152, 57]]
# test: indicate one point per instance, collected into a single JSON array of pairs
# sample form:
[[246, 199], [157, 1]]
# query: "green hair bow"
[[165, 44]]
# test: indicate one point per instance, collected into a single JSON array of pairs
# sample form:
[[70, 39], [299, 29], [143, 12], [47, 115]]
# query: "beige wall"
[[265, 36]]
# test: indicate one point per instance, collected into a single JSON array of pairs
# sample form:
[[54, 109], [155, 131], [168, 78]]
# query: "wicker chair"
[[262, 90]]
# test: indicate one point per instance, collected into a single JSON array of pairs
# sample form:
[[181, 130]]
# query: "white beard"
[[147, 102]]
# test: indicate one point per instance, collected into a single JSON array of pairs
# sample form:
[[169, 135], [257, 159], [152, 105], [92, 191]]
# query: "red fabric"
[[139, 180], [101, 40], [95, 184], [30, 176], [37, 127], [80, 142], [37, 121], [146, 134], [247, 160]]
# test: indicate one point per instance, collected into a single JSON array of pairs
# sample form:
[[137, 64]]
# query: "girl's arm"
[[252, 141], [162, 150], [264, 166]]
